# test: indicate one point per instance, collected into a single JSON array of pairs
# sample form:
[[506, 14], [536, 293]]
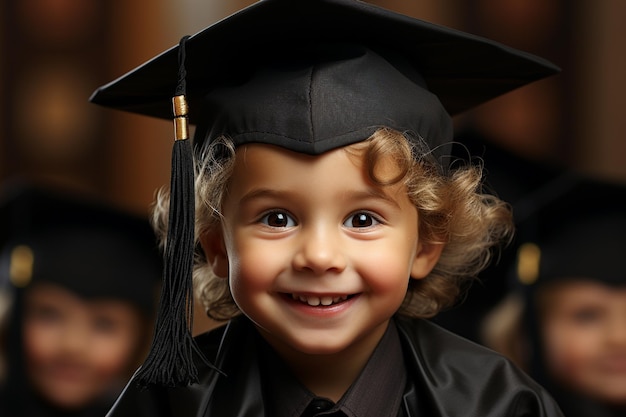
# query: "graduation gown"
[[18, 399], [447, 376]]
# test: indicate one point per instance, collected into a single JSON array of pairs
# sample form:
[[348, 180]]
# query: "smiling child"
[[329, 221]]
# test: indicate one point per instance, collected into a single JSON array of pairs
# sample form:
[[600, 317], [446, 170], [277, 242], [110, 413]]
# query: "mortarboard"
[[573, 227], [92, 249], [260, 62], [310, 76]]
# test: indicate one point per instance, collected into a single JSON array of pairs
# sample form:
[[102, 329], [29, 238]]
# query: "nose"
[[74, 338], [617, 331], [319, 250]]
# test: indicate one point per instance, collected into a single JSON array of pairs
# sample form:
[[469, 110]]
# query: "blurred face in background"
[[584, 330], [78, 351]]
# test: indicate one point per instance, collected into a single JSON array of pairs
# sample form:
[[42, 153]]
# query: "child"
[[84, 278], [568, 327], [329, 220]]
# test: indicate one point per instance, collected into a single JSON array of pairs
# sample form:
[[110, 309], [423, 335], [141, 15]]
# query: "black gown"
[[30, 405], [447, 376]]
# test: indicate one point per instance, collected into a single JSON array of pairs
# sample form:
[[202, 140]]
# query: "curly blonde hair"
[[452, 209]]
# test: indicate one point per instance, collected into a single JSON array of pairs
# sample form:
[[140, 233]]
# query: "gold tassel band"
[[181, 129], [528, 263], [21, 266]]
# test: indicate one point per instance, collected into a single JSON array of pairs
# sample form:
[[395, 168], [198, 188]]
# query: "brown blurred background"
[[56, 52]]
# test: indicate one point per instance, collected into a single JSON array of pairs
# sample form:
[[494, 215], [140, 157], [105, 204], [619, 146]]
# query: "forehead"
[[578, 292], [50, 293], [261, 165], [263, 155]]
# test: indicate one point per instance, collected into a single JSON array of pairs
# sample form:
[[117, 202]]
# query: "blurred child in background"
[[83, 281], [566, 323]]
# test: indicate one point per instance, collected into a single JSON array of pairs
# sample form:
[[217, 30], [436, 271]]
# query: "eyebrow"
[[263, 192], [371, 193]]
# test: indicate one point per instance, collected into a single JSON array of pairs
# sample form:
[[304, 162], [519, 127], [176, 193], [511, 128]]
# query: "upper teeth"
[[314, 300]]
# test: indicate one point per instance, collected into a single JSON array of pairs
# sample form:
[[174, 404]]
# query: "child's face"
[[584, 328], [318, 256], [75, 350]]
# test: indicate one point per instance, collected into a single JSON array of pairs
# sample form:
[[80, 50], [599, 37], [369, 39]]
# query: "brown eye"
[[278, 219], [360, 220]]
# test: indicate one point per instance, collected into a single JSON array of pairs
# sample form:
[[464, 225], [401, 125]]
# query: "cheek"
[[40, 343], [382, 276], [568, 351], [253, 267], [112, 355], [385, 269]]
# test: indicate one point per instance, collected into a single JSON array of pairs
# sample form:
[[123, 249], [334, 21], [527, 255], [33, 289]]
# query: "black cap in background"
[[86, 246], [574, 227]]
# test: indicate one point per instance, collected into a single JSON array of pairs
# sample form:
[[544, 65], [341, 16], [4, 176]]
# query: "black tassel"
[[170, 360]]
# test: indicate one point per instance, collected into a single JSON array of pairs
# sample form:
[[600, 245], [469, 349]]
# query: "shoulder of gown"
[[156, 401], [453, 376]]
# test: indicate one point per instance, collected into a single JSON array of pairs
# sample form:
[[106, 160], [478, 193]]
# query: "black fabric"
[[285, 396], [322, 97], [321, 407], [391, 70], [447, 376]]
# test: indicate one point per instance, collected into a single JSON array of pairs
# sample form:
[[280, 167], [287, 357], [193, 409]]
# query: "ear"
[[426, 257], [212, 243]]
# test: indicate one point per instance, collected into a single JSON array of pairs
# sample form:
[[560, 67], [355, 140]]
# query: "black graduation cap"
[[314, 70], [310, 76], [574, 227], [90, 248]]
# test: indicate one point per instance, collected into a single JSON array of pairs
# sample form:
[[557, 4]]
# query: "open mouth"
[[324, 300]]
